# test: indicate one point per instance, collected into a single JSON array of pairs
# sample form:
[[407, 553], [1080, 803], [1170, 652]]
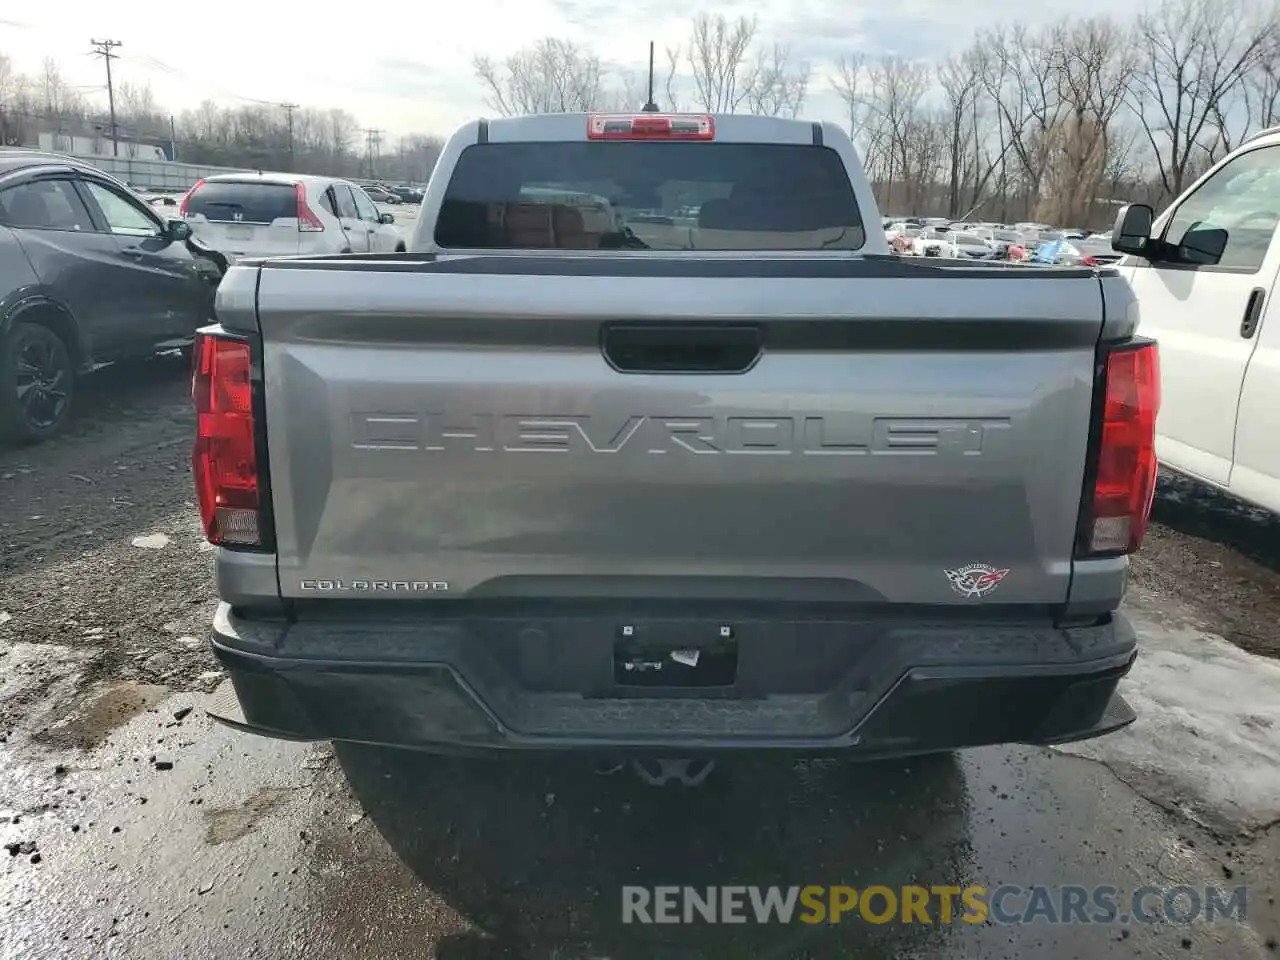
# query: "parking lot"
[[406, 215], [138, 828]]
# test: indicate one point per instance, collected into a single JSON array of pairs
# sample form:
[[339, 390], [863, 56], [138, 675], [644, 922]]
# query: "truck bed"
[[806, 429]]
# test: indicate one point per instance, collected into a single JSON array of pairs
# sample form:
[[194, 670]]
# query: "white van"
[[1205, 276]]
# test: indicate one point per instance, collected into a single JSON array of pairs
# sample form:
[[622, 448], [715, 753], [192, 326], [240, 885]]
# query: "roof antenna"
[[650, 106]]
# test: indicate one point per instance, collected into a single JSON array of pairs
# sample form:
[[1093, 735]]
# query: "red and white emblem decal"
[[975, 579]]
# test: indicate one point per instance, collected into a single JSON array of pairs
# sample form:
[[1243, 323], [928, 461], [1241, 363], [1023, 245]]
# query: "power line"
[[150, 61], [103, 48]]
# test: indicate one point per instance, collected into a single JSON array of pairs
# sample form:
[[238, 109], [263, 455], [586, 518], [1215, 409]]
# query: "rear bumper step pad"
[[911, 689]]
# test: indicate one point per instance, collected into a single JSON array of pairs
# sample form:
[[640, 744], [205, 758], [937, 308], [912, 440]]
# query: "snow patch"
[[1207, 738], [152, 541]]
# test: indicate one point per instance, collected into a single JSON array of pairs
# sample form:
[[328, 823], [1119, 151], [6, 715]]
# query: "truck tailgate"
[[767, 430]]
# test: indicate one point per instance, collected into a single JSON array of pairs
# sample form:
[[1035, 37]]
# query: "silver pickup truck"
[[649, 447]]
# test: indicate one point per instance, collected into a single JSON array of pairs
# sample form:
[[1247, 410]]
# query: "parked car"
[[408, 194], [901, 242], [1053, 251], [934, 242], [1008, 245], [1205, 275], [280, 215], [719, 499], [972, 246], [89, 273], [1075, 253], [379, 193]]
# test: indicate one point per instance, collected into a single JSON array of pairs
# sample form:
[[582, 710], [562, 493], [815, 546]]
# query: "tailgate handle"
[[680, 348]]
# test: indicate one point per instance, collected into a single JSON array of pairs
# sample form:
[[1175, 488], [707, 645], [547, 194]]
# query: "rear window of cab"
[[636, 195]]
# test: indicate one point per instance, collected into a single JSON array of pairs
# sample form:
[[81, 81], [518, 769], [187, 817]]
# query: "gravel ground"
[[70, 511], [281, 850], [1219, 556]]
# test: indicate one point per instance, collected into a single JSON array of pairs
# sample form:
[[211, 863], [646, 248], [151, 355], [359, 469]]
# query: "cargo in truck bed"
[[648, 444]]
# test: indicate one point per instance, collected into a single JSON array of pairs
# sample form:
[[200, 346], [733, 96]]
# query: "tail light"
[[1089, 261], [650, 126], [182, 204], [1119, 505], [308, 222], [225, 458]]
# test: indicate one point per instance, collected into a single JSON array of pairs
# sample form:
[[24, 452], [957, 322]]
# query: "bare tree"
[[342, 128], [922, 154], [1123, 176], [1193, 55], [849, 85], [134, 101], [1261, 85], [416, 155], [633, 91], [551, 76], [990, 62], [1020, 76], [988, 164], [138, 112], [922, 158], [718, 57], [897, 85], [778, 86], [1253, 104], [205, 122], [1094, 64], [728, 73], [57, 99], [853, 84], [305, 130], [961, 85], [11, 123], [8, 81]]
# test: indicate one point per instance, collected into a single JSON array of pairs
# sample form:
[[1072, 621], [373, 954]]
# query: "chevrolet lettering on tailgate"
[[829, 435]]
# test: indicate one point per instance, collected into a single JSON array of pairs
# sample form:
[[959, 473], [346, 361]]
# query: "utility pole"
[[103, 48], [288, 109], [372, 139]]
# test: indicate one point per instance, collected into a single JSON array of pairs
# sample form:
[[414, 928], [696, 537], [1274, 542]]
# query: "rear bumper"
[[811, 686]]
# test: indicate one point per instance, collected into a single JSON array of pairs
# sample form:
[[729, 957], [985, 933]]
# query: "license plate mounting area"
[[678, 655]]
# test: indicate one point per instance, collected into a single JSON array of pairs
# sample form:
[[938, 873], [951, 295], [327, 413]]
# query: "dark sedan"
[[89, 273]]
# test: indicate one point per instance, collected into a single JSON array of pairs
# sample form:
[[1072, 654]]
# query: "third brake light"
[[650, 126]]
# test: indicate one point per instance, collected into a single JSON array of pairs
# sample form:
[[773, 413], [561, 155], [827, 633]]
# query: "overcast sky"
[[397, 66]]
